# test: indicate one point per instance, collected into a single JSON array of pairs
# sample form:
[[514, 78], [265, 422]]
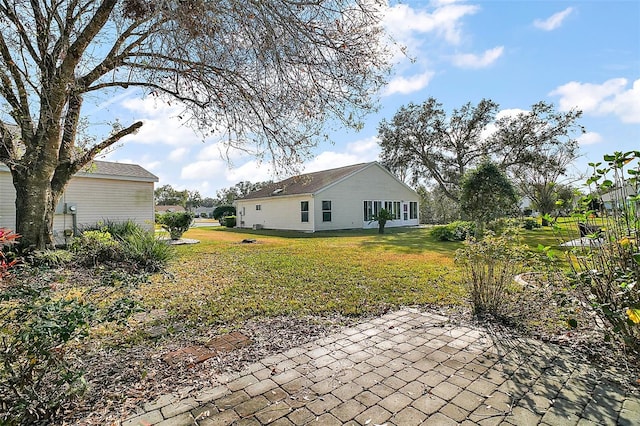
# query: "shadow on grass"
[[402, 240], [411, 240]]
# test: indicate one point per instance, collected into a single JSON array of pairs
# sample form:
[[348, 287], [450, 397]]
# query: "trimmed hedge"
[[228, 221], [454, 231]]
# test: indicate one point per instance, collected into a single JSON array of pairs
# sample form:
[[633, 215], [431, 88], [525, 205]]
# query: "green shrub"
[[228, 221], [530, 223], [94, 247], [36, 372], [489, 267], [51, 258], [117, 229], [120, 229], [609, 273], [176, 223], [454, 231], [147, 252]]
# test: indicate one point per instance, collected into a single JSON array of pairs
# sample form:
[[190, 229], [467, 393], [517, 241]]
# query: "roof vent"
[[277, 191]]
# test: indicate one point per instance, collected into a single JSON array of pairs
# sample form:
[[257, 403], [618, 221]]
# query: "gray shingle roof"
[[122, 170], [109, 170], [306, 184]]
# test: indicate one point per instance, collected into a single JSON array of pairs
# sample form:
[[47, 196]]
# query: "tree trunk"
[[381, 227], [35, 208]]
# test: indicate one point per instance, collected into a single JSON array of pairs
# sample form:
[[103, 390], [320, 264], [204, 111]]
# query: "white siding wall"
[[95, 199], [347, 199], [116, 200], [275, 213], [7, 201]]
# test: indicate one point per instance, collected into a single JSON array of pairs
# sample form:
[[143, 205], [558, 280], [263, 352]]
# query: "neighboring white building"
[[342, 198], [102, 191], [618, 195]]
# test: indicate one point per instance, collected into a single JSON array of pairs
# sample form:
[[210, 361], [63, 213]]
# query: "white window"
[[304, 211], [258, 207], [326, 211], [372, 208], [413, 210]]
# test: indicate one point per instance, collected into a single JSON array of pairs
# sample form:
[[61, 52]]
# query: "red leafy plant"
[[7, 239]]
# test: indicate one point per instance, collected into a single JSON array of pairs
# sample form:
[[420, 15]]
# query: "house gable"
[[308, 183]]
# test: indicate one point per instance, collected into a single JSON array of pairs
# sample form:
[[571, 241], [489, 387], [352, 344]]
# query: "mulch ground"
[[169, 356]]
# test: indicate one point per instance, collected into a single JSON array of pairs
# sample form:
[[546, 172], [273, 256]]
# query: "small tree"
[[382, 217], [167, 195], [222, 211], [176, 223], [487, 194]]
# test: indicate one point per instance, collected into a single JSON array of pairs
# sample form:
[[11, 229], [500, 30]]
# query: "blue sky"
[[583, 54]]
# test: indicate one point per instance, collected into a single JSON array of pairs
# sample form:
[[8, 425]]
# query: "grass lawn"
[[221, 281]]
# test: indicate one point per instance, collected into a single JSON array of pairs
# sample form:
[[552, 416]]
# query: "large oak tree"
[[267, 73], [422, 141]]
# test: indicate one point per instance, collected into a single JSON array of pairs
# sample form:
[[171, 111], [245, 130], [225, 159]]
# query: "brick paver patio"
[[408, 368]]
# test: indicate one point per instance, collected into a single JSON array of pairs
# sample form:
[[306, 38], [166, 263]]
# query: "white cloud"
[[402, 21], [554, 21], [152, 165], [610, 97], [470, 60], [330, 160], [360, 151], [178, 154], [406, 85], [252, 171], [626, 104], [214, 174], [367, 149], [162, 123], [589, 138], [204, 187], [163, 131], [216, 151], [204, 170]]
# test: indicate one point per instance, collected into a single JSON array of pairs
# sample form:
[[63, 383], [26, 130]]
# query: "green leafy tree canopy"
[[487, 194]]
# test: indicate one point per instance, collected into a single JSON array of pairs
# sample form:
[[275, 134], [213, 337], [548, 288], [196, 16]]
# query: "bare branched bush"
[[489, 266]]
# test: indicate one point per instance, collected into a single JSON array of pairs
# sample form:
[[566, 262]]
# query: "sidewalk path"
[[408, 368]]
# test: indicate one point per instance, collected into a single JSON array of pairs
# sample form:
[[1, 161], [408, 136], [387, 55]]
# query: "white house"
[[102, 191], [343, 198]]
